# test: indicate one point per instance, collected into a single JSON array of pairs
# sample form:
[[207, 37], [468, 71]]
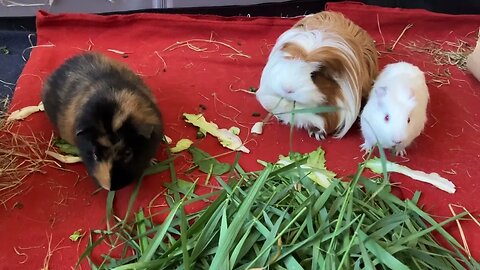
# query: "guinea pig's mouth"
[[123, 178], [101, 173], [116, 185]]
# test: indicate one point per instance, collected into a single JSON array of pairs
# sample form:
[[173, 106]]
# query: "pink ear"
[[381, 91]]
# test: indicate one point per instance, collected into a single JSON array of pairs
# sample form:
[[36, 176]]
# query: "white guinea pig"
[[396, 111]]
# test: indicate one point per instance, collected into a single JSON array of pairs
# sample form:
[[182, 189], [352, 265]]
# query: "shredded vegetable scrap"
[[432, 178], [226, 137], [25, 112]]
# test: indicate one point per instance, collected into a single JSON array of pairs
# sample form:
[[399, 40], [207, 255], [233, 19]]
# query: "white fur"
[[405, 96], [286, 81]]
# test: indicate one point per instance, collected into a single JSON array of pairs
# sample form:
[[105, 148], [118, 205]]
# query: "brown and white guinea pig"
[[324, 59], [396, 111], [108, 112]]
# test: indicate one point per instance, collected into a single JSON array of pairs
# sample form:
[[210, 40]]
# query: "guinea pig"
[[396, 111], [108, 112], [323, 60]]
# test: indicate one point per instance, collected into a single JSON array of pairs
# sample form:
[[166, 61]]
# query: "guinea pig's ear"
[[380, 93], [145, 130]]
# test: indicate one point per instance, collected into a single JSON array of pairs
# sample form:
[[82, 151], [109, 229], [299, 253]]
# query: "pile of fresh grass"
[[278, 218]]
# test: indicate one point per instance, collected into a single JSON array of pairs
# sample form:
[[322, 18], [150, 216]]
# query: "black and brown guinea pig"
[[108, 112]]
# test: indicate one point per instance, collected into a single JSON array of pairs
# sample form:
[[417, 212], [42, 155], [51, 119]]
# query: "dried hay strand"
[[439, 78], [452, 53], [190, 44], [20, 156]]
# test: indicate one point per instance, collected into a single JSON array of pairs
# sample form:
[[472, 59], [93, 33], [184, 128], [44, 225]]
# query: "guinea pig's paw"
[[400, 151], [365, 147], [317, 133], [282, 119]]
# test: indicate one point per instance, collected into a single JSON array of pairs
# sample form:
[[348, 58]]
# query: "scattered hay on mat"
[[20, 156], [50, 251], [190, 44], [452, 53], [439, 78]]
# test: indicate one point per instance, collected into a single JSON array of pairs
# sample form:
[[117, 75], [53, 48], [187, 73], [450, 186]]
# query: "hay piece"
[[380, 30], [443, 53], [20, 156], [400, 36], [189, 44], [50, 251], [438, 78]]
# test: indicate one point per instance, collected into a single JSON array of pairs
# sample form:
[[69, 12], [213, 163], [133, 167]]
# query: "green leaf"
[[182, 144], [76, 235], [158, 167], [181, 186], [66, 148], [207, 163]]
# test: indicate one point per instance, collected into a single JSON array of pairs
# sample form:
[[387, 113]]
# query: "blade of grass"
[[141, 229], [380, 253], [133, 198], [237, 223], [346, 254], [291, 263], [207, 234], [161, 232], [314, 110]]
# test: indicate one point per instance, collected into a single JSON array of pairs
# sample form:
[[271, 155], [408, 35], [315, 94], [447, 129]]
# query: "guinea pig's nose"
[[288, 90], [397, 142]]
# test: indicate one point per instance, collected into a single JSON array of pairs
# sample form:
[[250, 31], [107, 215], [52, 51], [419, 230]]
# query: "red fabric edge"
[[44, 17], [359, 6]]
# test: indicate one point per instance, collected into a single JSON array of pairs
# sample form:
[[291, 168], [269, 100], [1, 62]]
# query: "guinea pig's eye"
[[127, 155], [387, 117], [408, 121], [94, 155]]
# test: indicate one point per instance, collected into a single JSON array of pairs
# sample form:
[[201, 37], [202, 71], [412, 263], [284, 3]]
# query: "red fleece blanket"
[[210, 75]]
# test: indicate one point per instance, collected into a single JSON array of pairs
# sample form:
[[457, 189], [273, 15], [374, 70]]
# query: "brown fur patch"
[[329, 87], [104, 141], [358, 39], [134, 106], [67, 119], [102, 174], [108, 63], [330, 58], [296, 51]]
